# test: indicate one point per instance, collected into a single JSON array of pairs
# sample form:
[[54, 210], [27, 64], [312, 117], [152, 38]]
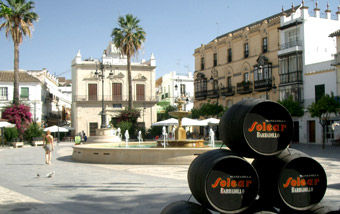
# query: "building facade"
[[306, 68], [39, 90], [173, 85], [92, 93], [287, 54], [238, 65]]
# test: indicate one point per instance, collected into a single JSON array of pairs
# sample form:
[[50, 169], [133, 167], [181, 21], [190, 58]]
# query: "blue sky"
[[174, 29]]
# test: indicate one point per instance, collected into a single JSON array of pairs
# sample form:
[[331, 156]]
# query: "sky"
[[174, 29]]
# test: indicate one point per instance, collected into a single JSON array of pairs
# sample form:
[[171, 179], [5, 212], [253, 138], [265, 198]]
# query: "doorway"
[[311, 131], [296, 135]]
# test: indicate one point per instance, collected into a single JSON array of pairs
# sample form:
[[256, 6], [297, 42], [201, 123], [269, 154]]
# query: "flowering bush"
[[20, 115]]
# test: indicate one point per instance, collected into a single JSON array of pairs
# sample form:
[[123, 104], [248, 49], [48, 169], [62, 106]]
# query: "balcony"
[[262, 85], [289, 47], [244, 87], [116, 98], [228, 91], [293, 77], [213, 93], [200, 95]]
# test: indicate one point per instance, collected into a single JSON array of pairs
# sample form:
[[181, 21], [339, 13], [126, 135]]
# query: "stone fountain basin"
[[98, 153]]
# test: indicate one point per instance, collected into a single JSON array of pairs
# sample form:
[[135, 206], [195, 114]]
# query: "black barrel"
[[256, 127], [221, 180], [291, 179], [185, 207], [318, 209]]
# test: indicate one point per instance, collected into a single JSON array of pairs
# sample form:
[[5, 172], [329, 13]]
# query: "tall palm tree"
[[18, 22], [128, 38]]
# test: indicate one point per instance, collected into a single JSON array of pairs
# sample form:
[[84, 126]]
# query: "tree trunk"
[[16, 74], [129, 80]]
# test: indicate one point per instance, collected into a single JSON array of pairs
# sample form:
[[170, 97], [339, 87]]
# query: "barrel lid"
[[302, 183], [231, 185], [268, 128]]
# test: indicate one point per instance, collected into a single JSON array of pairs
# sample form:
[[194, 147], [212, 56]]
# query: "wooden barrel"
[[221, 180], [185, 207], [317, 209], [256, 127], [291, 179]]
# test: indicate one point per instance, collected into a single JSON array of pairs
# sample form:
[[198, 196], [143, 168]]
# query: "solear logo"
[[231, 186], [267, 130], [300, 185]]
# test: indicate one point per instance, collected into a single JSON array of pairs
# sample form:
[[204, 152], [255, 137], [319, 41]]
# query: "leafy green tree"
[[18, 22], [166, 114], [208, 110], [322, 109], [294, 108], [128, 38], [125, 125]]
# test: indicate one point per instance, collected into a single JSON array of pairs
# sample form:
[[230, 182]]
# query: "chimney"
[[328, 12], [317, 10]]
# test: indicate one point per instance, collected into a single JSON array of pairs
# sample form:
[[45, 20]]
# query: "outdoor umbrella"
[[68, 128], [193, 122], [55, 129], [212, 121], [168, 122]]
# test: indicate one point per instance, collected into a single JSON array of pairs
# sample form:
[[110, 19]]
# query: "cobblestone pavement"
[[108, 188]]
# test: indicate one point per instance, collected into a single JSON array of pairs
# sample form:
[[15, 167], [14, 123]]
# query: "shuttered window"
[[140, 92], [92, 91], [116, 91], [319, 92], [24, 93]]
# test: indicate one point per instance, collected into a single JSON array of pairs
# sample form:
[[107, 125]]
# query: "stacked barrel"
[[279, 180]]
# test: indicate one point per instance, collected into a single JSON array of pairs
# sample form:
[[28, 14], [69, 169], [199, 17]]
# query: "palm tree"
[[18, 22], [128, 38]]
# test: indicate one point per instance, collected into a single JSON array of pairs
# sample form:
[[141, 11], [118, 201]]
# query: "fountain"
[[179, 151], [180, 134]]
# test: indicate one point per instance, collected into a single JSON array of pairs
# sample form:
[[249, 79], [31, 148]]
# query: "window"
[[140, 92], [182, 89], [92, 91], [117, 105], [246, 77], [230, 56], [24, 93], [263, 72], [215, 59], [264, 45], [319, 92], [246, 50], [93, 127], [116, 91], [202, 63], [3, 93], [229, 82]]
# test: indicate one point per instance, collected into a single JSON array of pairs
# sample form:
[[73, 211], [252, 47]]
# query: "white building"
[[173, 85], [30, 92], [305, 64], [88, 90]]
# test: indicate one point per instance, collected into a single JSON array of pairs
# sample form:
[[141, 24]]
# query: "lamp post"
[[270, 87], [101, 76], [214, 79], [58, 135]]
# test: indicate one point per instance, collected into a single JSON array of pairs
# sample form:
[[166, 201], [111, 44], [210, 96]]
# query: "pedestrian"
[[82, 135], [48, 146], [85, 137]]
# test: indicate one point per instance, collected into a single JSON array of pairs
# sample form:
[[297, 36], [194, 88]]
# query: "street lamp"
[[101, 76], [214, 81], [58, 135]]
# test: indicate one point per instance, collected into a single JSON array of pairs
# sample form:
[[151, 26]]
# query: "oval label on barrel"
[[232, 185], [302, 183], [268, 128]]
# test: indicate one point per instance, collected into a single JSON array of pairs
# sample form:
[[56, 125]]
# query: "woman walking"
[[48, 146]]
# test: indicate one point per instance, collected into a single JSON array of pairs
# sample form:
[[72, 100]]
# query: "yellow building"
[[238, 65]]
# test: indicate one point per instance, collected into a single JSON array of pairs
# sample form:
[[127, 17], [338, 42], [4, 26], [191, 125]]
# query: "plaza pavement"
[[107, 188]]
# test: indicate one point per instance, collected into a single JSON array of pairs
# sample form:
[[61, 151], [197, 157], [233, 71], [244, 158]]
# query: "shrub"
[[124, 125], [11, 134], [33, 131]]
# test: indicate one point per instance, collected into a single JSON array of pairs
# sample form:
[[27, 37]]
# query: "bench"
[[17, 144], [37, 143]]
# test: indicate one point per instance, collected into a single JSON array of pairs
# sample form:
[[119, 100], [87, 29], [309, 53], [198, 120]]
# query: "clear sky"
[[174, 28]]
